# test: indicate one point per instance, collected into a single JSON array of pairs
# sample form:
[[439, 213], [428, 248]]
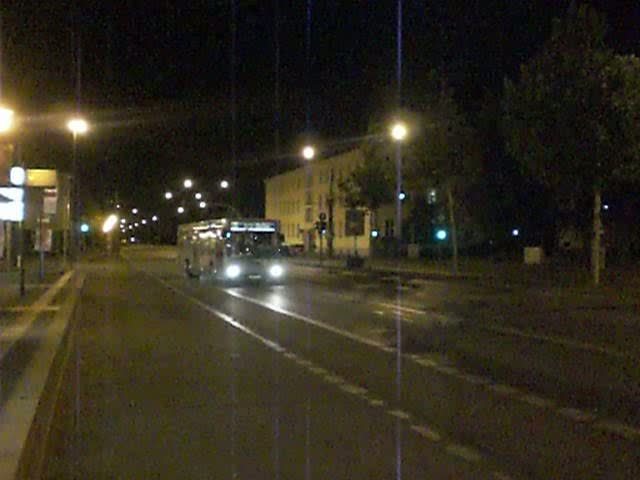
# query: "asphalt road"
[[178, 378]]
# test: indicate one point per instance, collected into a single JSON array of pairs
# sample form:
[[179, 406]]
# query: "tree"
[[445, 155], [572, 119]]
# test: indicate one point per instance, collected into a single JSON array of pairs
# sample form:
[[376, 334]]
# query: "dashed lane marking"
[[335, 379], [401, 414], [577, 414], [353, 389], [466, 453], [538, 401], [376, 402], [618, 428], [426, 432], [505, 390]]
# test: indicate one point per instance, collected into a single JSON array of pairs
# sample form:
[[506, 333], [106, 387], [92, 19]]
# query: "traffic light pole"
[[330, 223]]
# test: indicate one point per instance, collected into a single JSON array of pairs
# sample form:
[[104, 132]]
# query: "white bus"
[[232, 249]]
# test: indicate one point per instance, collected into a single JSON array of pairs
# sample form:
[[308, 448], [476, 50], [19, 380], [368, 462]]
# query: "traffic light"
[[321, 226]]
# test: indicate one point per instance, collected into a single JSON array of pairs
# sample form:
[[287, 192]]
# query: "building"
[[299, 197]]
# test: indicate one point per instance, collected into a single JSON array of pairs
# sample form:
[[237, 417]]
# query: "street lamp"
[[154, 218], [188, 183], [77, 126], [198, 196], [180, 209], [203, 204], [224, 184], [308, 152], [134, 211], [399, 132], [6, 119], [168, 195]]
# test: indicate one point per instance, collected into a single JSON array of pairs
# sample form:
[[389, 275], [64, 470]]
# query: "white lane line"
[[426, 432], [466, 453], [376, 402], [577, 414], [505, 390], [401, 307], [426, 362], [29, 308], [401, 414], [565, 342], [538, 401], [618, 428], [318, 370], [290, 355], [311, 321], [335, 379], [224, 317], [474, 379], [353, 389], [446, 370], [12, 333]]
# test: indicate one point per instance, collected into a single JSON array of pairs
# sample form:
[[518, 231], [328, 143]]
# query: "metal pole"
[[74, 201], [330, 223], [21, 257], [41, 247], [398, 230]]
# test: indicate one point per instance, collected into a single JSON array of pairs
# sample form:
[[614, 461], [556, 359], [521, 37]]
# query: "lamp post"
[[17, 177], [399, 132], [77, 126], [6, 124]]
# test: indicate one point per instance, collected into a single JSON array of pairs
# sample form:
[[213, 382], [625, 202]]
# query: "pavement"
[[319, 378]]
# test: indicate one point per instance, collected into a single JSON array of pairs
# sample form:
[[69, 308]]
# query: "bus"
[[232, 249]]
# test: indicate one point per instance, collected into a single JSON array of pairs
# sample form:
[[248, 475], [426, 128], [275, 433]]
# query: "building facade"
[[298, 198]]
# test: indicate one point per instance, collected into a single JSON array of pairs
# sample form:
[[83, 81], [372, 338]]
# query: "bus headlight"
[[232, 271], [276, 271]]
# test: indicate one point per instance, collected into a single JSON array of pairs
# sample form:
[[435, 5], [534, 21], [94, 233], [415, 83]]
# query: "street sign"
[[49, 201], [354, 224], [12, 204]]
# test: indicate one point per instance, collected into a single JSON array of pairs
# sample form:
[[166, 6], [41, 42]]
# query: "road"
[[178, 378]]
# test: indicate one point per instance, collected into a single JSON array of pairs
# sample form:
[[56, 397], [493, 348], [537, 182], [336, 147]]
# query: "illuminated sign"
[[268, 227], [12, 204]]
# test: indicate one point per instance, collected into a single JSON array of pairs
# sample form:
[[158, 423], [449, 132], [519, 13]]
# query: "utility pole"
[[330, 200]]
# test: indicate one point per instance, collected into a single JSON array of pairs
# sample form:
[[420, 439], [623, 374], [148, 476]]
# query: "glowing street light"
[[136, 224], [6, 119], [168, 195], [202, 204], [180, 209], [188, 183], [224, 184], [123, 220], [198, 196], [84, 228], [154, 218], [134, 211], [78, 126], [109, 223], [308, 152], [399, 131], [17, 176], [144, 221]]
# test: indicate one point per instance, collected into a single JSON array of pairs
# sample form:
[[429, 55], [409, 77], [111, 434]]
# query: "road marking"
[[466, 453], [318, 370], [577, 414], [376, 402], [475, 379], [565, 342], [353, 389], [426, 432], [618, 428], [311, 321], [538, 401], [446, 370], [27, 308], [426, 362], [401, 307], [335, 379], [290, 355], [11, 334], [401, 414], [505, 390]]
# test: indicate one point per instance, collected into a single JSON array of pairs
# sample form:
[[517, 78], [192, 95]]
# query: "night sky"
[[156, 78]]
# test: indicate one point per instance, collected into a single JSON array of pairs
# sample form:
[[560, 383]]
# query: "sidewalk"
[[34, 286]]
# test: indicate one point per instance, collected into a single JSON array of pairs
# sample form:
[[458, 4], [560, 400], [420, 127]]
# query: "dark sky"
[[156, 77]]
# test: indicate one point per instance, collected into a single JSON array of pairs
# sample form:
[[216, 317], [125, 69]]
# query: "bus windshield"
[[254, 244]]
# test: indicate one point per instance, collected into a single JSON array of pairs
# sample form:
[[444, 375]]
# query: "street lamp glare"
[[198, 196], [154, 218], [134, 211], [109, 223], [78, 126], [17, 176], [399, 131], [180, 209], [224, 184], [188, 183], [168, 195], [203, 204], [308, 152], [6, 119]]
